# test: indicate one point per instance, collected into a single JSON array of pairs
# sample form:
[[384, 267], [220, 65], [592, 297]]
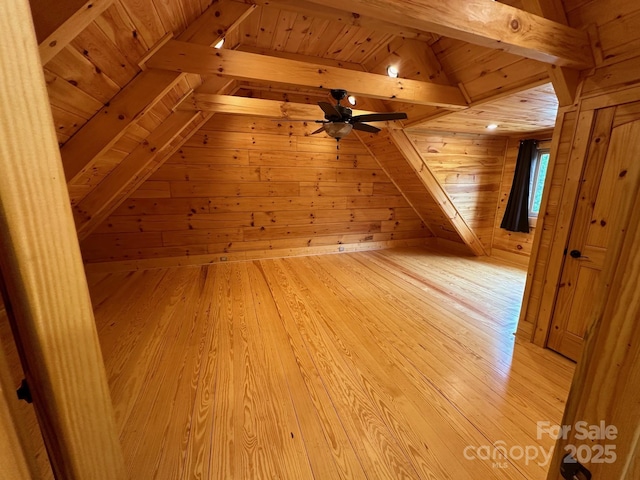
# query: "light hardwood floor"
[[385, 364]]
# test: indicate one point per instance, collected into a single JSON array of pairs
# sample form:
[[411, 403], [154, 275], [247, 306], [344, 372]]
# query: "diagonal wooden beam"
[[481, 22], [71, 28], [110, 123], [438, 192], [127, 175], [565, 80], [98, 199], [255, 107], [107, 126], [188, 57], [140, 164], [419, 185]]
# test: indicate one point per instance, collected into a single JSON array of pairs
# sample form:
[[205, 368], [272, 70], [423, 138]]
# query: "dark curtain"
[[516, 215]]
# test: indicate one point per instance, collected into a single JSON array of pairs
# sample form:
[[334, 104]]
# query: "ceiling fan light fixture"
[[219, 44], [392, 71], [492, 126], [338, 129], [352, 100]]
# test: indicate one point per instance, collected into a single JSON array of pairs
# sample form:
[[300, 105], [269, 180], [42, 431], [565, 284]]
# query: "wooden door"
[[609, 183]]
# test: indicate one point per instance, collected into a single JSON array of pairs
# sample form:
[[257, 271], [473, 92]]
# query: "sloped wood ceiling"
[[118, 120]]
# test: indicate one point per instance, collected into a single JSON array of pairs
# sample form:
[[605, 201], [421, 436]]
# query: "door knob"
[[576, 254]]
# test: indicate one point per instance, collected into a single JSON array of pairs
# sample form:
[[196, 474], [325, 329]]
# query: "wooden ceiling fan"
[[339, 121]]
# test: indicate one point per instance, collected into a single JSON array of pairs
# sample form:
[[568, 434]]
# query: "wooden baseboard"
[[208, 259], [525, 331], [510, 257]]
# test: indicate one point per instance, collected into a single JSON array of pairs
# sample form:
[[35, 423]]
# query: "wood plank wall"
[[470, 169], [231, 189], [618, 29], [483, 71]]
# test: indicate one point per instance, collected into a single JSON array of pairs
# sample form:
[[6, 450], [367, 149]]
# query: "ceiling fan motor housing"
[[339, 120], [338, 94], [345, 114]]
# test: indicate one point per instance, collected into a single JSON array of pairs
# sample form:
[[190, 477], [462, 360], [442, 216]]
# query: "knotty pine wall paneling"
[[470, 168], [242, 184], [617, 26]]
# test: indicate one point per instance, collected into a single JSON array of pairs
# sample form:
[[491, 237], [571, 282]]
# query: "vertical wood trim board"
[[546, 216], [43, 273]]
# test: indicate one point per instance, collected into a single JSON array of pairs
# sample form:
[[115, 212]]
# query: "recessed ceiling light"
[[492, 126], [219, 44], [352, 100], [392, 71]]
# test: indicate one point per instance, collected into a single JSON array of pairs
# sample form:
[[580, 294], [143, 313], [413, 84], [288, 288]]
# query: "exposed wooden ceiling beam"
[[187, 57], [256, 107], [107, 126], [481, 22], [71, 28], [330, 62], [565, 80], [364, 103]]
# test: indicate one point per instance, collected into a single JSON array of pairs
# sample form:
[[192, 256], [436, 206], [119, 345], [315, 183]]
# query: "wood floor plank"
[[285, 438], [378, 451], [415, 402], [326, 444], [161, 407], [220, 463], [371, 365], [481, 336], [488, 411]]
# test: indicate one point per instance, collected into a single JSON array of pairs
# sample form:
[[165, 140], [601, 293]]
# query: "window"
[[536, 184]]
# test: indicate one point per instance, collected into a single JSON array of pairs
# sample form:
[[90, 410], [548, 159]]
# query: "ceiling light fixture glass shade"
[[392, 71], [352, 100], [492, 126], [338, 129], [219, 44]]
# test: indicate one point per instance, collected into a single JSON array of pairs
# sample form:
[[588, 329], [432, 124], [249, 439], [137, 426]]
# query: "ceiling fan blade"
[[365, 128], [329, 109], [380, 117], [321, 129]]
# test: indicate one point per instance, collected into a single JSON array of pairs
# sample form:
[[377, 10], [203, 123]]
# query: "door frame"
[[581, 146]]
